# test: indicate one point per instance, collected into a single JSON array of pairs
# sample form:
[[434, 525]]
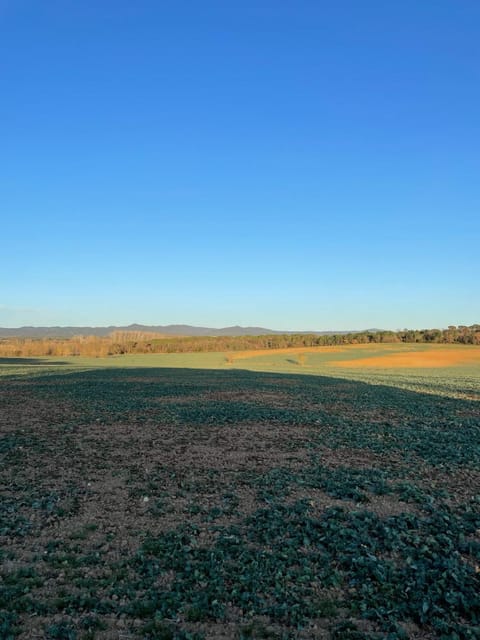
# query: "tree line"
[[126, 342]]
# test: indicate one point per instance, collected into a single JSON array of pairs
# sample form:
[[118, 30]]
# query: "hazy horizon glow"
[[295, 166]]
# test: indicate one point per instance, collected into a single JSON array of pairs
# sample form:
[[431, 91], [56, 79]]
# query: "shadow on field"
[[336, 411], [30, 361], [232, 500]]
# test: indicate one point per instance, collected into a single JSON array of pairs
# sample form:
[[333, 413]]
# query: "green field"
[[216, 496]]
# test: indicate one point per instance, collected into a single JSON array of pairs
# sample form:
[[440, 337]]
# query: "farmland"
[[329, 493]]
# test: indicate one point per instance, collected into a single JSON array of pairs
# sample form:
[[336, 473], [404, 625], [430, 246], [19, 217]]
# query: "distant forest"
[[131, 342]]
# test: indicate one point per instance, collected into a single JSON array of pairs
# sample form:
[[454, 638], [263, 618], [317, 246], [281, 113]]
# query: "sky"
[[291, 164]]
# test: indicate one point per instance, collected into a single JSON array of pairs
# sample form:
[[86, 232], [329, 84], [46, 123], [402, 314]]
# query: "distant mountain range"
[[170, 330]]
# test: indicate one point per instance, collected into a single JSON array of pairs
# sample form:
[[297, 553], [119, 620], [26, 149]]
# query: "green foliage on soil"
[[181, 503]]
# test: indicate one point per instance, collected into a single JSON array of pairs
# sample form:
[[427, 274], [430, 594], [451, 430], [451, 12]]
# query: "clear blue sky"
[[290, 164]]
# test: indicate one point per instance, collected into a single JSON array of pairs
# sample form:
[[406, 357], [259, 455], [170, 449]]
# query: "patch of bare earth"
[[383, 506], [20, 410]]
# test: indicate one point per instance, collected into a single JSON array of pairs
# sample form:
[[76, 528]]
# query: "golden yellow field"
[[253, 353], [372, 356], [439, 357]]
